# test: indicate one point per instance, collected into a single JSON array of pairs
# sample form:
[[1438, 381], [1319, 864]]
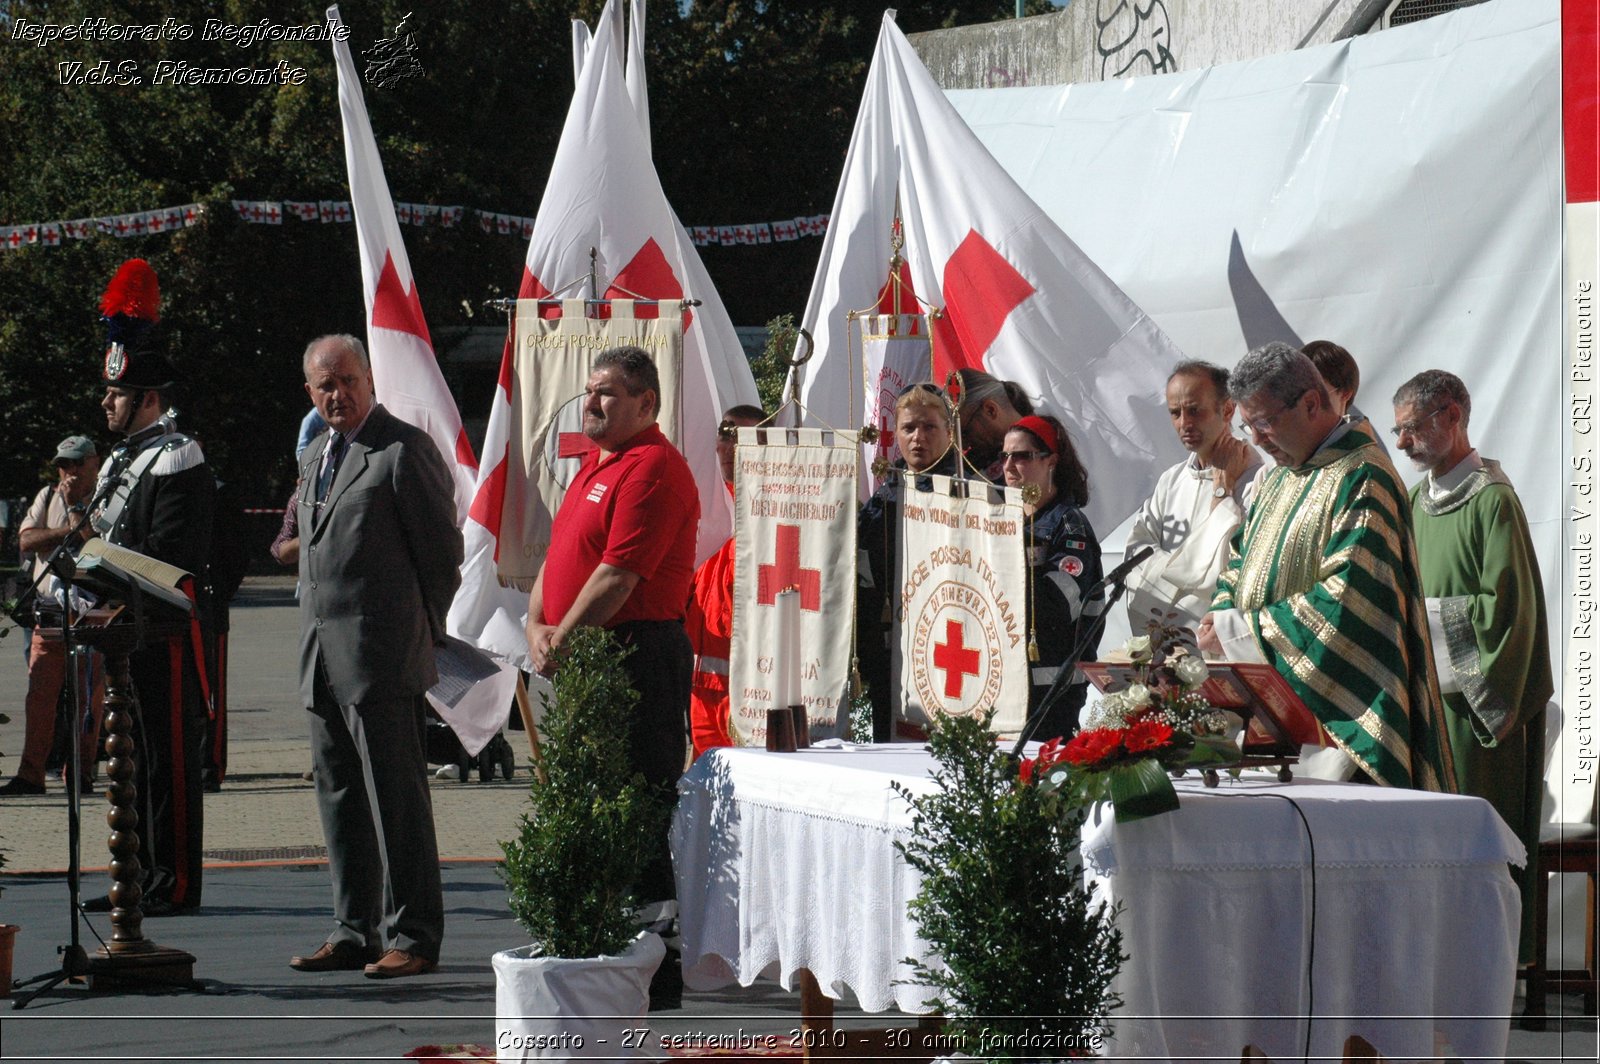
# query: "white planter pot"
[[549, 1008]]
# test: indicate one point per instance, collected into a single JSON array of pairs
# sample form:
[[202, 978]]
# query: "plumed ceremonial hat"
[[130, 307]]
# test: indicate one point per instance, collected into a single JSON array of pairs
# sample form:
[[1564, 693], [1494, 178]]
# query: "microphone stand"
[[1117, 581], [60, 563]]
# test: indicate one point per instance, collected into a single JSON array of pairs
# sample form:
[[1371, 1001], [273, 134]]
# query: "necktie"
[[330, 468]]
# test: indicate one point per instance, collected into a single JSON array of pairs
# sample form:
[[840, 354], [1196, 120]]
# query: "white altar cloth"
[[787, 861]]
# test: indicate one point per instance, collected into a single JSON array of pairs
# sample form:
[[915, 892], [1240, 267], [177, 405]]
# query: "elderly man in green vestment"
[[1322, 583], [1485, 609]]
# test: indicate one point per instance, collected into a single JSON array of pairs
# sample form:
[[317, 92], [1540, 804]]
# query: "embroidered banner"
[[895, 354], [549, 371], [794, 526], [961, 613]]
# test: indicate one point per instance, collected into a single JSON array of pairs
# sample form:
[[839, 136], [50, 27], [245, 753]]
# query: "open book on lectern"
[[111, 572], [1277, 722]]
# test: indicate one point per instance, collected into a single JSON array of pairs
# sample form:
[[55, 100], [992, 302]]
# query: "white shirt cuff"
[[1233, 632]]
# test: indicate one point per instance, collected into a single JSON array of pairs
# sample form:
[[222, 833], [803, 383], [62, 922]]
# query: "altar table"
[[1390, 914]]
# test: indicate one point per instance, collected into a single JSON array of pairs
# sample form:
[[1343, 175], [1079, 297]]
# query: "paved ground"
[[266, 898]]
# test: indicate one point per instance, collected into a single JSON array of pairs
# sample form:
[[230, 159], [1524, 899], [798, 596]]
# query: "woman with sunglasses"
[[1063, 557], [924, 435]]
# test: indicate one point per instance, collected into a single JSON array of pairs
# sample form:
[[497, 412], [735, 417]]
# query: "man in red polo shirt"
[[621, 557]]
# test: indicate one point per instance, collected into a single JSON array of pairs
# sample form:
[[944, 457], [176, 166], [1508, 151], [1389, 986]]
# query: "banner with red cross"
[[794, 527], [960, 614], [555, 349], [896, 352]]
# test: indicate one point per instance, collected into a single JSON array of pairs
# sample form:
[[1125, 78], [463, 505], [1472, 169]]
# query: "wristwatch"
[[1219, 492]]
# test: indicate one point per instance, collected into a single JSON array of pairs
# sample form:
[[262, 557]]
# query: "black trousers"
[[660, 669], [169, 738]]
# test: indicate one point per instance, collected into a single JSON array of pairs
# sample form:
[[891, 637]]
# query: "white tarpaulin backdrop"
[[1398, 193]]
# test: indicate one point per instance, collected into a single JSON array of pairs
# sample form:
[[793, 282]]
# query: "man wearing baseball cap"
[[56, 510]]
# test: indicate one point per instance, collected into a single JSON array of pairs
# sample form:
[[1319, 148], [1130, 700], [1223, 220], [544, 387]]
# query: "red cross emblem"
[[785, 571], [396, 307], [981, 289], [955, 658]]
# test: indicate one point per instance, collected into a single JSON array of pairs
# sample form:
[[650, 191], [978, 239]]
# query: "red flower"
[[1050, 753], [1093, 746], [1146, 735]]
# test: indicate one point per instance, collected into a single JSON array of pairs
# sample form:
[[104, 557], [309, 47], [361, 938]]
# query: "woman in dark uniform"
[[1063, 557]]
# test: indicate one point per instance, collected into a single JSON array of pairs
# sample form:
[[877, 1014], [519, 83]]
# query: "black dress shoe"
[[338, 956], [101, 904], [19, 787]]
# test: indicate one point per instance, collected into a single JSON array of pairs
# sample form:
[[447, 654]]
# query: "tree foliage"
[[752, 105]]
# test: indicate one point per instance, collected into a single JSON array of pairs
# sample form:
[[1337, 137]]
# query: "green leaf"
[[1213, 750], [1141, 790]]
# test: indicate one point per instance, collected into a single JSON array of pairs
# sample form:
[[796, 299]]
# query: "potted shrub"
[[570, 873], [1028, 955]]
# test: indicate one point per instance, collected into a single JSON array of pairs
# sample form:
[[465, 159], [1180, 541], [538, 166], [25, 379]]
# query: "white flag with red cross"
[[603, 193], [960, 601], [795, 492], [405, 371], [1020, 299]]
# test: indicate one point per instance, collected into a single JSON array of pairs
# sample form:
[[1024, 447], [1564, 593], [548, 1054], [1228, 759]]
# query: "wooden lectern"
[[142, 600]]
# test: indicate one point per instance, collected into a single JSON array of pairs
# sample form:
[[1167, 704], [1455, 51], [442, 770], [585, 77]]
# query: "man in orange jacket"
[[710, 618]]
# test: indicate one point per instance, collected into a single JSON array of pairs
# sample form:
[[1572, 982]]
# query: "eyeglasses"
[[927, 386], [1412, 427], [1023, 456], [1263, 425]]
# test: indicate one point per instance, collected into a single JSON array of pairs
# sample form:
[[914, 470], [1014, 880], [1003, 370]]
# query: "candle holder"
[[802, 728], [780, 730]]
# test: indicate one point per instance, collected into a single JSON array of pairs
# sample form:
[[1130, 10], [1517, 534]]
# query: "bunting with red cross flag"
[[1019, 299], [405, 372], [795, 527], [960, 605], [602, 194]]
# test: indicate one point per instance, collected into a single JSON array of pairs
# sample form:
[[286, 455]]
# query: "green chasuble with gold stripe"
[[1325, 571]]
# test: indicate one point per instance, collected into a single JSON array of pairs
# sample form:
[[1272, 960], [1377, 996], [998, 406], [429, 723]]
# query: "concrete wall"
[[1094, 40]]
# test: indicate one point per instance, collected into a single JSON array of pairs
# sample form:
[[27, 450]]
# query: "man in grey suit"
[[379, 560]]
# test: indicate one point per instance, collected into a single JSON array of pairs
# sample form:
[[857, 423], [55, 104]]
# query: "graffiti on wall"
[[1133, 38], [1000, 77]]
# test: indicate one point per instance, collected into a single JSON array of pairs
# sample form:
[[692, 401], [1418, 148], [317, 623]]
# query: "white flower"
[[1106, 713], [1136, 695], [1191, 672], [1138, 648]]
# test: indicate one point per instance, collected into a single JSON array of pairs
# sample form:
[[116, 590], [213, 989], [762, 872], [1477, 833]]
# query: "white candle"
[[786, 649]]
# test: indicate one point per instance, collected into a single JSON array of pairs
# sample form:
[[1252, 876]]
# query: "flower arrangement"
[[1156, 722]]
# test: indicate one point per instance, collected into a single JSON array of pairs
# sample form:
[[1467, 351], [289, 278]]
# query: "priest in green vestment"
[[1486, 610], [1322, 582]]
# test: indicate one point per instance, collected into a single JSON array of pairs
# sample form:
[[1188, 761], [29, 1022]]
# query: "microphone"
[[1129, 564]]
